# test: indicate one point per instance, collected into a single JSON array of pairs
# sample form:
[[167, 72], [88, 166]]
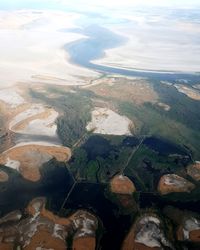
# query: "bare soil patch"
[[190, 92], [122, 185], [137, 91], [84, 243], [3, 176], [194, 171], [172, 183], [29, 158]]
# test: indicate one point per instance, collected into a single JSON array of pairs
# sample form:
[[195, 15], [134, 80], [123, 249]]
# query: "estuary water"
[[82, 52]]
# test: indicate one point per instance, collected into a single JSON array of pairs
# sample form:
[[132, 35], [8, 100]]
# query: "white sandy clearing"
[[197, 86], [106, 121], [190, 224], [41, 143], [189, 92], [164, 106], [11, 97], [33, 125], [172, 183], [85, 225], [150, 233], [10, 163], [45, 126], [32, 48], [35, 109], [174, 180]]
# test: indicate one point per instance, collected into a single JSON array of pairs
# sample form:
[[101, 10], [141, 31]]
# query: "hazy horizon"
[[110, 4]]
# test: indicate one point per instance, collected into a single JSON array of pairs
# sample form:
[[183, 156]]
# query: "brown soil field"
[[3, 176], [195, 236], [194, 171], [190, 92], [177, 185], [179, 233], [122, 185], [40, 228], [6, 246], [130, 244], [31, 158], [84, 243], [42, 238], [136, 91], [56, 219]]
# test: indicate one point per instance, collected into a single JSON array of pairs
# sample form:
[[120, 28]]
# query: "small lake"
[[92, 197], [164, 147], [147, 200], [97, 146], [55, 183]]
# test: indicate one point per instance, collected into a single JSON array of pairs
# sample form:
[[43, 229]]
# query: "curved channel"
[[83, 51]]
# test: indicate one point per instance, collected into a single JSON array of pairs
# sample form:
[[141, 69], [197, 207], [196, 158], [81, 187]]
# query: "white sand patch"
[[32, 45], [41, 143], [32, 125], [172, 183], [147, 219], [166, 83], [85, 225], [11, 97], [197, 86], [150, 233], [35, 109], [188, 91], [57, 230], [164, 106], [106, 121], [175, 180], [122, 177], [42, 126], [190, 224], [12, 164]]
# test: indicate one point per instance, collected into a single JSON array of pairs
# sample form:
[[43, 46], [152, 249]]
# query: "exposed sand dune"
[[27, 159], [172, 183], [106, 121]]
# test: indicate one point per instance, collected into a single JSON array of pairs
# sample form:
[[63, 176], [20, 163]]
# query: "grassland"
[[180, 124], [75, 109]]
